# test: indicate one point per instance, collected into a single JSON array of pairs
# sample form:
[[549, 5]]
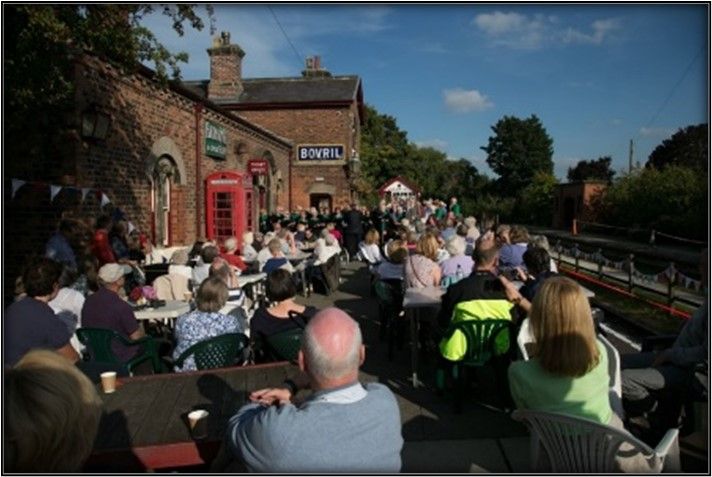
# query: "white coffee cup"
[[108, 381], [198, 421]]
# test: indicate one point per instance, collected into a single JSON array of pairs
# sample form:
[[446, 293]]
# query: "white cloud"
[[518, 31], [438, 144], [460, 100], [616, 121], [513, 30], [656, 132], [600, 31]]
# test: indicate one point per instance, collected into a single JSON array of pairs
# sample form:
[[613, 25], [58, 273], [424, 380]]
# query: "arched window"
[[164, 173]]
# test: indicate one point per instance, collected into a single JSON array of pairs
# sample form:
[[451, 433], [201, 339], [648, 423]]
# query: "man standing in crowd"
[[344, 426], [106, 309], [30, 322], [353, 229]]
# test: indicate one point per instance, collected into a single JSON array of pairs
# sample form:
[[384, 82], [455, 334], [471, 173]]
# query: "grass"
[[635, 309]]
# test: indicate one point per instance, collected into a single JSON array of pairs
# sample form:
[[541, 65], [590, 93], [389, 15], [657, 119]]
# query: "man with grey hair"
[[343, 427]]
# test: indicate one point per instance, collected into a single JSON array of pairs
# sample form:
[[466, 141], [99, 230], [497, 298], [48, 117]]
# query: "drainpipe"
[[290, 179], [198, 180]]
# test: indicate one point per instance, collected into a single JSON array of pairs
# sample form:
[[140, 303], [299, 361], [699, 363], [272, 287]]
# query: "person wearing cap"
[[106, 309], [30, 322]]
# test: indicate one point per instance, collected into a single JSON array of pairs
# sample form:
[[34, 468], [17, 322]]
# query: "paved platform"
[[480, 439]]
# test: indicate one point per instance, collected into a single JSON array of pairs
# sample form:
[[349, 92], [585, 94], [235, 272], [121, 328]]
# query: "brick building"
[[174, 163], [321, 114], [577, 200]]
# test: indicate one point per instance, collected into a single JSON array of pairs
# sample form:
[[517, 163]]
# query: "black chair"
[[389, 294], [285, 345]]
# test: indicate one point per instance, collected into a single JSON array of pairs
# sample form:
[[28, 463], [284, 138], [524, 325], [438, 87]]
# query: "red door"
[[229, 208]]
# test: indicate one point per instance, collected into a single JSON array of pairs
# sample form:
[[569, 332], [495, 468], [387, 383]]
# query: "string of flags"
[[54, 190]]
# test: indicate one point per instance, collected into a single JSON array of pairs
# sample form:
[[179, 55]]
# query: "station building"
[[321, 114]]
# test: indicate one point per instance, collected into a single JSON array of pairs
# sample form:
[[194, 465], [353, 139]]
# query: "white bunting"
[[131, 227], [85, 191], [53, 191], [104, 200], [16, 184]]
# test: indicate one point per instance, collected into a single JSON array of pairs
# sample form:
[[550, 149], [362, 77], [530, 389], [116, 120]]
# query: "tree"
[[518, 150], [687, 147], [40, 43], [535, 203], [672, 200], [384, 148], [594, 169]]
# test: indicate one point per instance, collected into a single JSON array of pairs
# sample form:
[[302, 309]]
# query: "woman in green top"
[[569, 371]]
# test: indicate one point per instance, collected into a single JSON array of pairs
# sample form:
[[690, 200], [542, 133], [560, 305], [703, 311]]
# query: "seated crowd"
[[485, 272]]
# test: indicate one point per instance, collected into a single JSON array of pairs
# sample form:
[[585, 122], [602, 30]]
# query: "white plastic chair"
[[574, 444]]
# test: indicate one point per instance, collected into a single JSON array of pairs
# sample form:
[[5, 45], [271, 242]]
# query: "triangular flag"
[[104, 200], [131, 227], [53, 191], [85, 191], [16, 184]]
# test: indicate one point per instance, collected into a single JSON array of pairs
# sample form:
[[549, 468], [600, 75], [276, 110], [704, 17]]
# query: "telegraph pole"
[[630, 157]]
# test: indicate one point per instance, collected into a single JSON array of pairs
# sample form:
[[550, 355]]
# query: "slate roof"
[[289, 90]]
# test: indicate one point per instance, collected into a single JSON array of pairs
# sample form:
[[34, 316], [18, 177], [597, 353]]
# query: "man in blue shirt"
[[343, 427], [59, 247]]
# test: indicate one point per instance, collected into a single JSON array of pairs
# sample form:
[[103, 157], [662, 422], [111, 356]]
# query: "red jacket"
[[234, 260], [101, 248]]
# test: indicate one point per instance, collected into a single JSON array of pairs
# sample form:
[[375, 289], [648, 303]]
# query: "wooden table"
[[144, 425]]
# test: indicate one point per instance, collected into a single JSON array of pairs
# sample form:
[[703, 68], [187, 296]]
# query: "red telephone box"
[[229, 205]]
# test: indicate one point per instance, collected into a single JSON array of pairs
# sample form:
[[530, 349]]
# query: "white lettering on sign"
[[319, 153], [223, 181]]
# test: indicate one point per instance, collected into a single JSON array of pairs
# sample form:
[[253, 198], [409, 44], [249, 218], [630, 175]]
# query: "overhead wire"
[[672, 91], [300, 58]]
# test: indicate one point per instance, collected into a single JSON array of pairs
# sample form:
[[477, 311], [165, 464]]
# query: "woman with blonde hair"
[[52, 414], [568, 373], [421, 268], [369, 250]]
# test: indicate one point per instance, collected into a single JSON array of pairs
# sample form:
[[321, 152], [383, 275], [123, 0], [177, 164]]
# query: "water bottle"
[[459, 274]]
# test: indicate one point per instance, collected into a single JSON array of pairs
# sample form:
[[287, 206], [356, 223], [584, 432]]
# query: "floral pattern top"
[[198, 326]]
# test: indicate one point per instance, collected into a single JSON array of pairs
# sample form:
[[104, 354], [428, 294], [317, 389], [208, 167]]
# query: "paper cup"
[[198, 421], [108, 381], [187, 296]]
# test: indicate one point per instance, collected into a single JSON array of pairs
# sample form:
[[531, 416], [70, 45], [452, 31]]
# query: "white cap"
[[111, 272]]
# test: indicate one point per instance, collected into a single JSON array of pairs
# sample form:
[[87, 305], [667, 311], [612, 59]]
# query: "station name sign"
[[320, 152], [215, 140]]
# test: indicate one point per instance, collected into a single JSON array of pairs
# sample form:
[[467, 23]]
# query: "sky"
[[596, 75]]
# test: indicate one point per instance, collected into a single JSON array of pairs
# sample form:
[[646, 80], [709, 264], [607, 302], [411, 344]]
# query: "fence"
[[665, 283], [578, 226]]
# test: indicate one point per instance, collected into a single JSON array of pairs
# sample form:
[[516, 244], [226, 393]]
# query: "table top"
[[146, 415], [172, 309], [296, 257], [243, 280]]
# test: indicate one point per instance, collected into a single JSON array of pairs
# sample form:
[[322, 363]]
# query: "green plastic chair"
[[218, 352], [98, 343], [285, 345], [483, 339]]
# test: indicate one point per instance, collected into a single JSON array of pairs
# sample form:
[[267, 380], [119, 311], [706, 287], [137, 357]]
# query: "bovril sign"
[[320, 152]]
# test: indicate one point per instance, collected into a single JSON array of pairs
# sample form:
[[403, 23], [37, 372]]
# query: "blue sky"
[[596, 75]]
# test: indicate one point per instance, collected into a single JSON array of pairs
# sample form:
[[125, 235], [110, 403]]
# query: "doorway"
[[320, 201]]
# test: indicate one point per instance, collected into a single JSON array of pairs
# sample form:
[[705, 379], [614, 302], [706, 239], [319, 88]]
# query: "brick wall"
[[314, 126], [142, 113]]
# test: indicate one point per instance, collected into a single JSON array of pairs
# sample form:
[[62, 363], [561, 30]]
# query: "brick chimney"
[[225, 68], [313, 68]]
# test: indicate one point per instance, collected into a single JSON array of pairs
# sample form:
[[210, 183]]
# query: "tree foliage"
[[42, 39], [687, 147], [672, 200], [518, 150], [535, 202], [599, 169], [387, 153]]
